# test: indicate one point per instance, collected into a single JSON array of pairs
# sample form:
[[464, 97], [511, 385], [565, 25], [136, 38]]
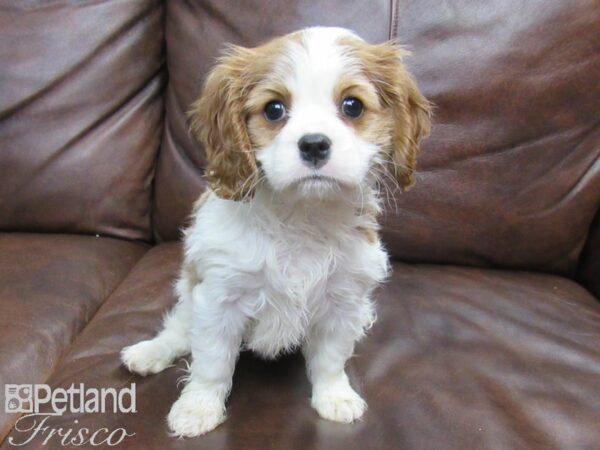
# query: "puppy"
[[283, 251]]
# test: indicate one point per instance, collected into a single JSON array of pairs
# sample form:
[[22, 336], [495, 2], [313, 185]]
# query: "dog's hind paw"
[[146, 357]]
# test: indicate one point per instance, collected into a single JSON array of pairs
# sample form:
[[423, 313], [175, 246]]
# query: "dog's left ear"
[[218, 121], [412, 111]]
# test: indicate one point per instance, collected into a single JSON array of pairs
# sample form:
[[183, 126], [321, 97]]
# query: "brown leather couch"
[[488, 334]]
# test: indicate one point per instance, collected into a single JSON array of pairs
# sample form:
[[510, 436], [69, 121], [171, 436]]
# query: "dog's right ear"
[[218, 121]]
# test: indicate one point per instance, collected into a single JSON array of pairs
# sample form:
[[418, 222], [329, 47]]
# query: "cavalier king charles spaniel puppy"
[[283, 250]]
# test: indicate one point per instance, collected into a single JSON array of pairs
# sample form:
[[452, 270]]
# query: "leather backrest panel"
[[80, 115], [511, 174]]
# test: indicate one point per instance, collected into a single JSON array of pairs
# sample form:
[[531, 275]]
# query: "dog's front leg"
[[215, 343], [326, 352]]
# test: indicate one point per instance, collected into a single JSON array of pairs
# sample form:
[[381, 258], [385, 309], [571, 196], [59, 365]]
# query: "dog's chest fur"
[[292, 291], [287, 274]]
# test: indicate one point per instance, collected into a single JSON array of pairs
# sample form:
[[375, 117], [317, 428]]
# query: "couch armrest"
[[589, 268]]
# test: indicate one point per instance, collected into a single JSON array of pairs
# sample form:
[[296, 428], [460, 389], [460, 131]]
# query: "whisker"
[[384, 180]]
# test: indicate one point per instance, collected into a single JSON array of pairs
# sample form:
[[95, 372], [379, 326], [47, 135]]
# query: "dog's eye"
[[352, 107], [275, 111]]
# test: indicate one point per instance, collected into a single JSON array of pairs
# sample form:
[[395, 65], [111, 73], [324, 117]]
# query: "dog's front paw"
[[146, 357], [195, 413], [339, 404]]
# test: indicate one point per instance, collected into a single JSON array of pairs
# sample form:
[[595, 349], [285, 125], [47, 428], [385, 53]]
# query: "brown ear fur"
[[219, 123], [412, 111]]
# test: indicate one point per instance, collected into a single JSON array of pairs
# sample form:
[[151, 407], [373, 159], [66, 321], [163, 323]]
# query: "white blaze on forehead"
[[315, 64], [309, 70]]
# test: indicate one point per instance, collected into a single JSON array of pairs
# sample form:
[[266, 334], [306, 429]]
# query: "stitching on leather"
[[394, 20]]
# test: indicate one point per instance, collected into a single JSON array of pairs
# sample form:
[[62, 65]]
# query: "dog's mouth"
[[318, 186], [317, 178]]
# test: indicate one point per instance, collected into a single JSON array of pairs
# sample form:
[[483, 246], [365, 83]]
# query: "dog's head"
[[311, 112]]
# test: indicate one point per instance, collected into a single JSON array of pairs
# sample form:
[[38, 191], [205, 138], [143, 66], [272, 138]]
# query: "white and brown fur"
[[281, 255]]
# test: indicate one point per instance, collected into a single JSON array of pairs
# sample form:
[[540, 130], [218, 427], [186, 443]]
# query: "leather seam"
[[393, 20]]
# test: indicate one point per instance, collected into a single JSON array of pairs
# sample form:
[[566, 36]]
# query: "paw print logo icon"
[[18, 398]]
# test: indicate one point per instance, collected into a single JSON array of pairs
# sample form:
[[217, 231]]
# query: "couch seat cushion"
[[459, 358], [50, 287]]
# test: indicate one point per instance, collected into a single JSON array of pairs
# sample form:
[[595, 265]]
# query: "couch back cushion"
[[80, 115], [510, 176]]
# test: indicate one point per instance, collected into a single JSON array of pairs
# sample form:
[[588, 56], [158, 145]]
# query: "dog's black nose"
[[314, 149]]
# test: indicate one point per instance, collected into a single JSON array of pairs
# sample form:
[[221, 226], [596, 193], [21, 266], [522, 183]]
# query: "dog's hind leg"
[[154, 355]]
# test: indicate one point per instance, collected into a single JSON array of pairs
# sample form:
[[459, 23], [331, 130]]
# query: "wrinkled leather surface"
[[511, 174], [195, 34], [50, 287], [459, 358], [589, 272], [80, 115]]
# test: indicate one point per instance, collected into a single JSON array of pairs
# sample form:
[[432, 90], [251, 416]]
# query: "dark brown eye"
[[352, 107], [275, 111]]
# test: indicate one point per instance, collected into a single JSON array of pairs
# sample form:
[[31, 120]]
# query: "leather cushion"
[[459, 358], [511, 173], [510, 176], [50, 287], [80, 115]]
